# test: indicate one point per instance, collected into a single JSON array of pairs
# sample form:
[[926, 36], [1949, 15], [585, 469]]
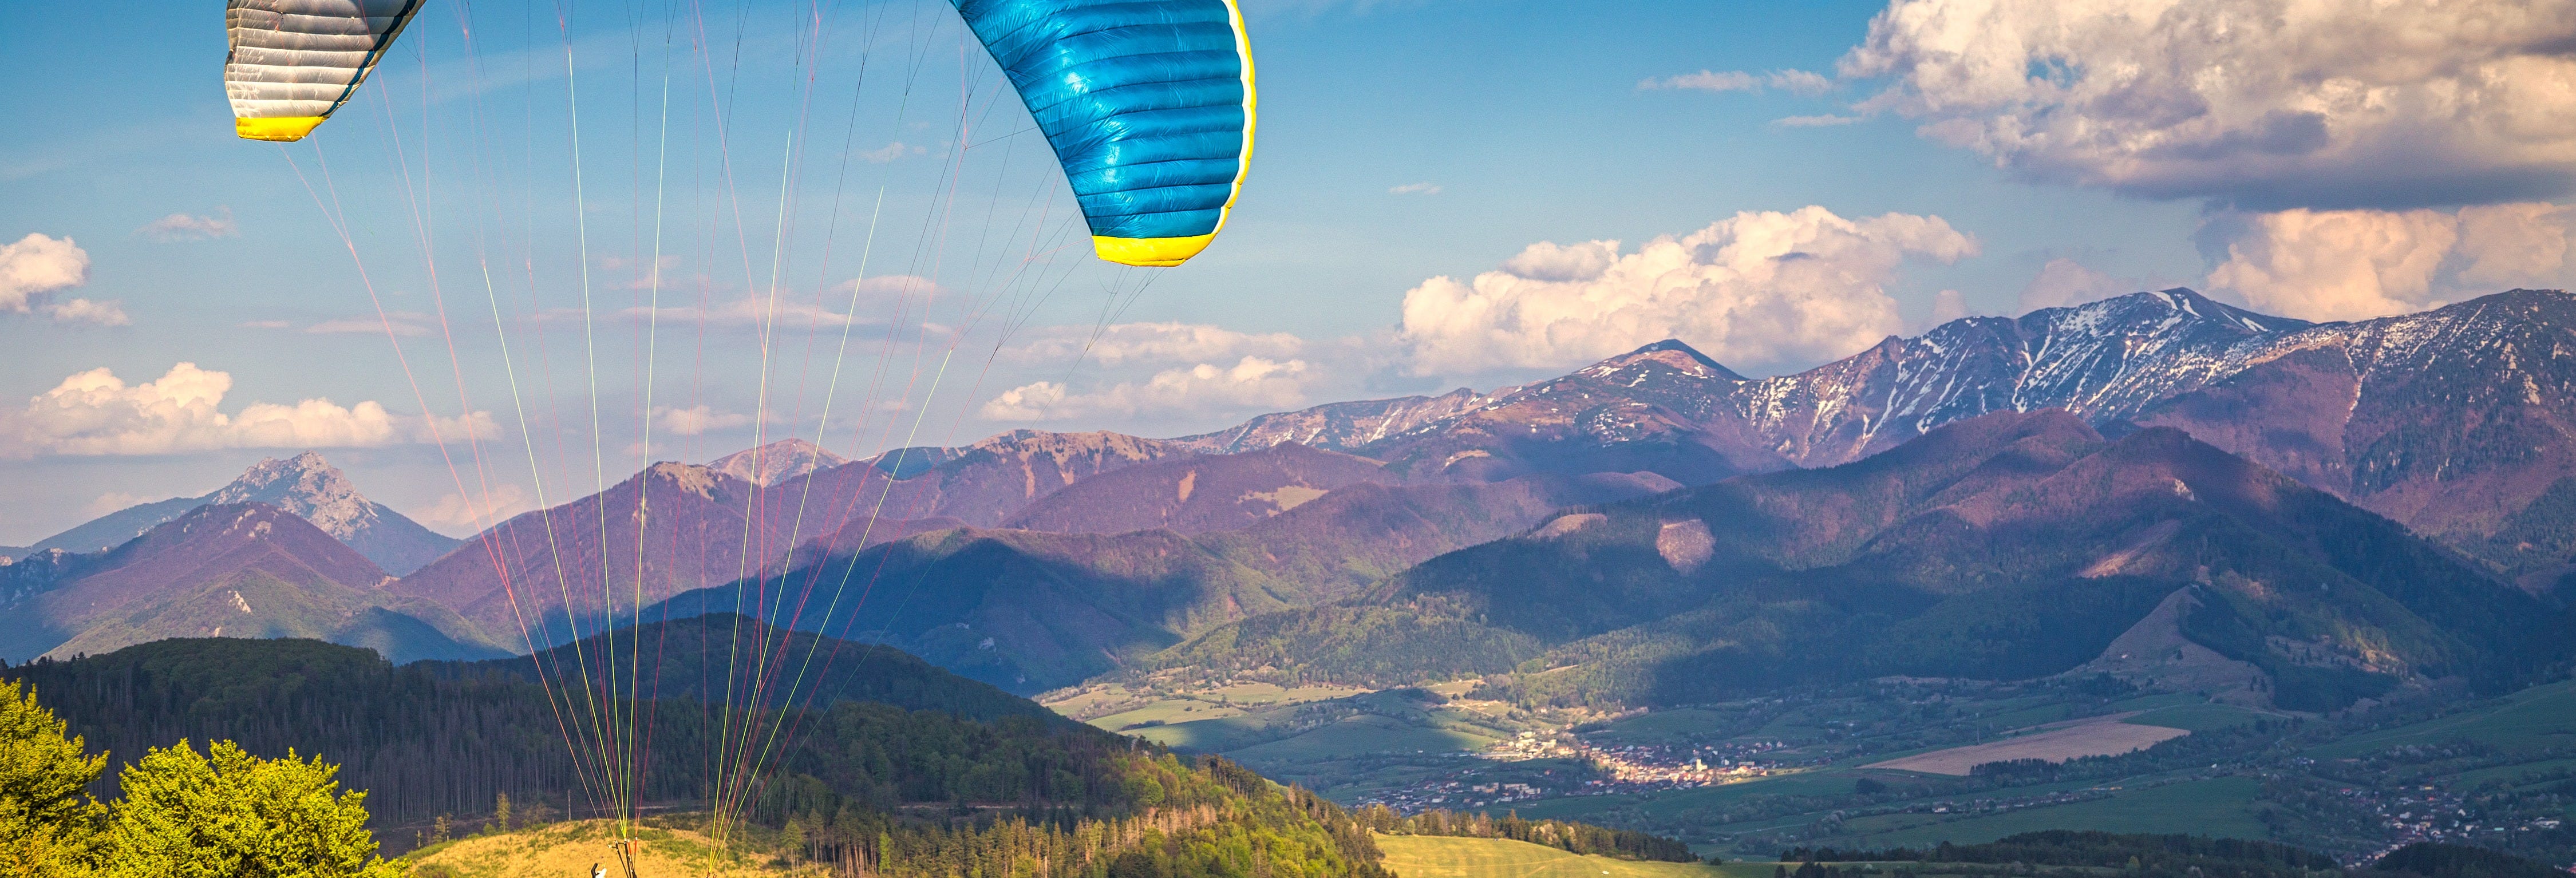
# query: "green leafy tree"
[[227, 813], [46, 816]]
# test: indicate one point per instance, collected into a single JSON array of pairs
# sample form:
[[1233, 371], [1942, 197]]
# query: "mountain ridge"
[[303, 484], [249, 568], [1940, 557]]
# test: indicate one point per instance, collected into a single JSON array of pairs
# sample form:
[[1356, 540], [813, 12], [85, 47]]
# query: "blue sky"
[[1400, 142]]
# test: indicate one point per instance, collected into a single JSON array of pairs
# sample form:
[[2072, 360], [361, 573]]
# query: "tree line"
[[222, 812]]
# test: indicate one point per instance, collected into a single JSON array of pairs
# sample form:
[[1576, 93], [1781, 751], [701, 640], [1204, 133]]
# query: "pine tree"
[[46, 817], [792, 839]]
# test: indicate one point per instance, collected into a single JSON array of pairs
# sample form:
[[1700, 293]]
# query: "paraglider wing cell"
[[295, 61], [1149, 105]]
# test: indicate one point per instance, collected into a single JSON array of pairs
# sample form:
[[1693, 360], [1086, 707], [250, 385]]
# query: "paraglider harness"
[[625, 848]]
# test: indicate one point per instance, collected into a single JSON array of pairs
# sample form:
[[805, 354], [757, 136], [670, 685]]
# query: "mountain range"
[[305, 485], [1033, 559], [1031, 611], [2459, 422], [2005, 546], [248, 568]]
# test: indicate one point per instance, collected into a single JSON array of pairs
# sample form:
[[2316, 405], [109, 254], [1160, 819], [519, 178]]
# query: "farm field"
[[2217, 807], [2054, 745]]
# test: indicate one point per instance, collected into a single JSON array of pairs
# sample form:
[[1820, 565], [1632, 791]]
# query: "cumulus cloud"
[[96, 413], [36, 267], [1414, 189], [1251, 383], [2263, 104], [1823, 121], [1169, 342], [457, 514], [1759, 288], [86, 311], [1800, 82], [696, 420], [187, 227], [2064, 282], [2358, 264], [1948, 305]]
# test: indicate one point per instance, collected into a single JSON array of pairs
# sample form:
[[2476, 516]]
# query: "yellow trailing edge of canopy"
[[1155, 252], [283, 128]]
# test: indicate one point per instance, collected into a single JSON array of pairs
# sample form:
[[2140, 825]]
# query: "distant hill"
[[1031, 611], [305, 485], [676, 527], [1198, 494], [2001, 547], [247, 570], [721, 656]]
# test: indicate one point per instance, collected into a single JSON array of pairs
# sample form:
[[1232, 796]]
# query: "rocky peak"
[[1063, 447], [1669, 353], [307, 486], [777, 462], [699, 480]]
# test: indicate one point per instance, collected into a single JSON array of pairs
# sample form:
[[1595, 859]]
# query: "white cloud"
[[1800, 82], [1414, 189], [696, 420], [2264, 104], [185, 227], [2512, 244], [2064, 282], [96, 413], [1764, 288], [114, 501], [265, 324], [1126, 343], [456, 514], [878, 300], [1948, 305], [889, 152], [86, 311], [1823, 121], [2357, 264], [36, 266], [1251, 383]]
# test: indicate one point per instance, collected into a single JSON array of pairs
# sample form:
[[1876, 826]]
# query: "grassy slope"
[[2535, 718], [571, 848], [1416, 856], [1360, 735], [2218, 807]]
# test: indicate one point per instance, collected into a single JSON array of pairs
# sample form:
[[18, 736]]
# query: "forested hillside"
[[2003, 547], [932, 771], [1031, 611]]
